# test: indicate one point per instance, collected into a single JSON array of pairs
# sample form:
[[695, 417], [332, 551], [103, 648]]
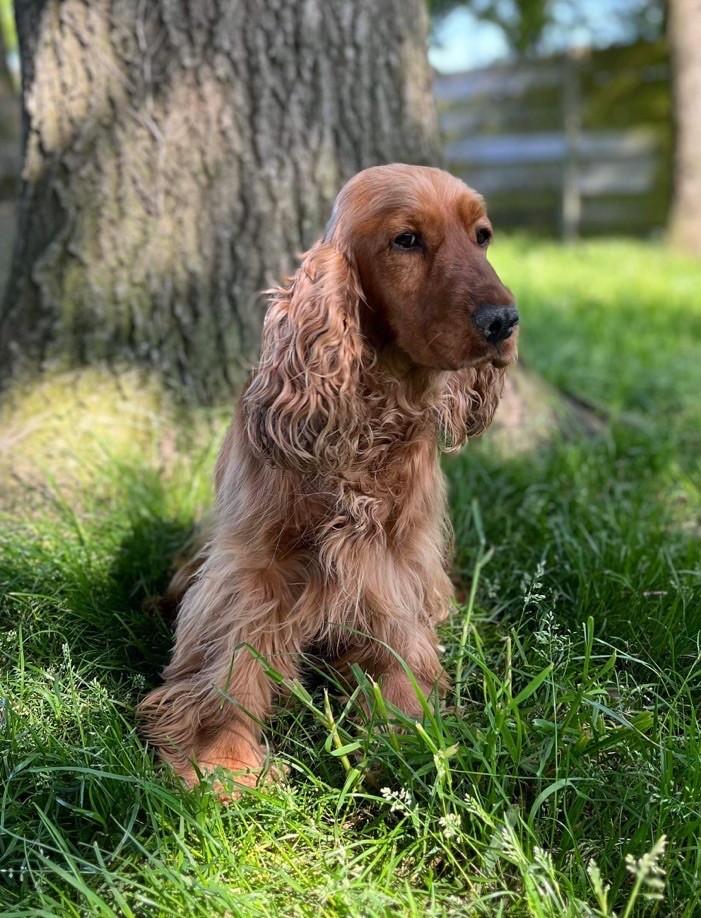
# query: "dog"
[[330, 528]]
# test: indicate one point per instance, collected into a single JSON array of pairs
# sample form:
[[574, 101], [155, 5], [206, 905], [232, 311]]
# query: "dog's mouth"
[[472, 354], [501, 359], [498, 355], [503, 353]]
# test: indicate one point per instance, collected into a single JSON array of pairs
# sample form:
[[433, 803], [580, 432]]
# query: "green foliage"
[[567, 755], [522, 21], [525, 22], [9, 70], [8, 32]]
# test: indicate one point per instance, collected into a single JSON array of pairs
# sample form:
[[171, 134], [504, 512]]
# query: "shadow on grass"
[[140, 572], [90, 583]]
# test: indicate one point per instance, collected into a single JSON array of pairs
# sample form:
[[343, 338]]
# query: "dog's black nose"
[[496, 322]]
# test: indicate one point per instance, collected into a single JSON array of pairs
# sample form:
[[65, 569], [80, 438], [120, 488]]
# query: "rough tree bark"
[[178, 153], [685, 41]]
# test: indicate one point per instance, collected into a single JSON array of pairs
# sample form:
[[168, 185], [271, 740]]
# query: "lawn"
[[562, 776]]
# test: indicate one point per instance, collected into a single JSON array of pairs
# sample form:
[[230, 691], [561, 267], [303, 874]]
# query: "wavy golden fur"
[[330, 526]]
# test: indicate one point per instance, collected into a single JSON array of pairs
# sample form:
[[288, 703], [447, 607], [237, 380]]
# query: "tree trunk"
[[685, 40], [9, 160], [533, 413], [178, 154]]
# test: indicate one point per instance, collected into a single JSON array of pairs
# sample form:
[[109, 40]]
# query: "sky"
[[462, 42]]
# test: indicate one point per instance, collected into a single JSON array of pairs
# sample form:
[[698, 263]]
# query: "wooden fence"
[[577, 144]]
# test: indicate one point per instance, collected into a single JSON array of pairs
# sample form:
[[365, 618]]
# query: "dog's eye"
[[407, 241], [483, 237]]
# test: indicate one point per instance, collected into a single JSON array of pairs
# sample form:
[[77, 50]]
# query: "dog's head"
[[402, 267], [418, 239]]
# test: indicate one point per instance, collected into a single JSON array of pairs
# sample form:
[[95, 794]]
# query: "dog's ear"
[[469, 401], [302, 407]]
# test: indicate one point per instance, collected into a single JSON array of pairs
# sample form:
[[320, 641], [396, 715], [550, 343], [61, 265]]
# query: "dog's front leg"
[[421, 657], [395, 647], [217, 694], [231, 737]]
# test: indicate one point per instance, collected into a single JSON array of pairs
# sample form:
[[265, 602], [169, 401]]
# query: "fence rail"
[[572, 144]]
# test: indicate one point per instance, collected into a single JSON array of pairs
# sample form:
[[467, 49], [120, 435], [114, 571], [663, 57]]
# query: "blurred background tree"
[[522, 21], [685, 39], [175, 158], [544, 26], [4, 65], [9, 136]]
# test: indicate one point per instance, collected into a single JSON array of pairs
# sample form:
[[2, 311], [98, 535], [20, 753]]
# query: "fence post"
[[572, 122]]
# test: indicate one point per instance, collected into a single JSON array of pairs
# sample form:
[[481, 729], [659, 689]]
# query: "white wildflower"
[[450, 825], [532, 588], [474, 806], [647, 870], [601, 889], [543, 858], [401, 800]]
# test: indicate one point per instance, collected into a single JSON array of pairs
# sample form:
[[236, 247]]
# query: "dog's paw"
[[228, 782], [228, 786]]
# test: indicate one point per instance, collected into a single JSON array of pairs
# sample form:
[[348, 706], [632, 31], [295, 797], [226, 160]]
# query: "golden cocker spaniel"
[[330, 527]]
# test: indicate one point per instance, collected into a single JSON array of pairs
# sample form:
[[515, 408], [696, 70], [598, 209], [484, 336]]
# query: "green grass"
[[570, 742]]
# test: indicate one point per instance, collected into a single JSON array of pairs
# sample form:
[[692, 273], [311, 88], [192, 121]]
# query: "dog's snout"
[[496, 322]]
